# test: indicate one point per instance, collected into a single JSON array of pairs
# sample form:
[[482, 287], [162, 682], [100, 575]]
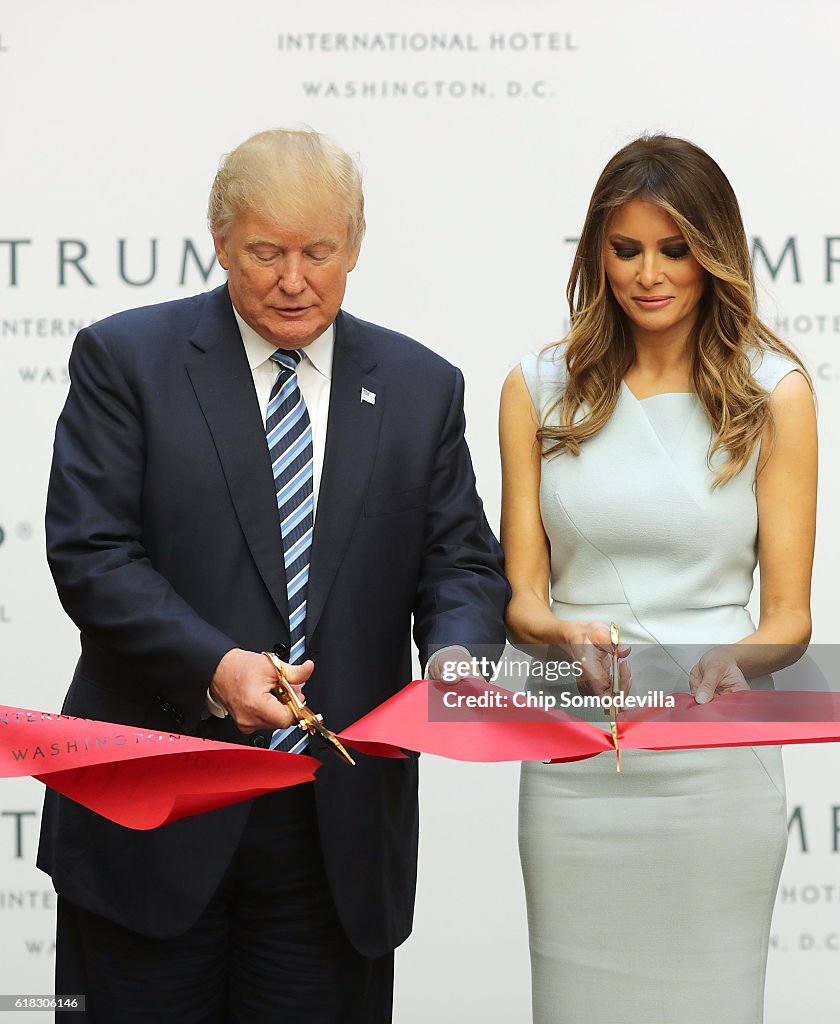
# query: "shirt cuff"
[[214, 707]]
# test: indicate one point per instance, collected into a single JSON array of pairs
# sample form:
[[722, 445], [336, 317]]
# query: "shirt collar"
[[258, 351]]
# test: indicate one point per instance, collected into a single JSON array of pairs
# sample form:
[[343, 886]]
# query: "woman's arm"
[[526, 548], [786, 494], [527, 552]]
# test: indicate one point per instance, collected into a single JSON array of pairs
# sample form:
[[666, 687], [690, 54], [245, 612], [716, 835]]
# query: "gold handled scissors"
[[615, 689], [307, 720]]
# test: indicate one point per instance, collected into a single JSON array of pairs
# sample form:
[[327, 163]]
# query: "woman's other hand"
[[715, 673]]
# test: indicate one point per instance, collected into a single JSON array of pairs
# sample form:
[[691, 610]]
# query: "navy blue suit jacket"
[[164, 544]]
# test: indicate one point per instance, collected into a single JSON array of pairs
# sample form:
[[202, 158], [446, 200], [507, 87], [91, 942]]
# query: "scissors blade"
[[615, 689], [615, 641], [330, 738]]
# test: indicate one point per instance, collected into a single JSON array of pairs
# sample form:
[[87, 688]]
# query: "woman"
[[647, 460]]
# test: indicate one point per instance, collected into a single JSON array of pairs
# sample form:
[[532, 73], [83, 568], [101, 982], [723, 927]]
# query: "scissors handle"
[[307, 719]]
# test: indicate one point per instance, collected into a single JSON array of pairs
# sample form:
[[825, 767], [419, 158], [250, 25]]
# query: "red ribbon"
[[136, 777], [143, 779], [417, 718]]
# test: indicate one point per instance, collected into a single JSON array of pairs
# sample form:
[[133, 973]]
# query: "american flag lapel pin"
[[368, 396]]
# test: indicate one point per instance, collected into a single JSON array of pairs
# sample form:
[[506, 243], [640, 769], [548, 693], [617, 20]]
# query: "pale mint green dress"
[[650, 893]]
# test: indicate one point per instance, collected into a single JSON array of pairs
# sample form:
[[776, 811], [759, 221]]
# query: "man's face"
[[287, 285]]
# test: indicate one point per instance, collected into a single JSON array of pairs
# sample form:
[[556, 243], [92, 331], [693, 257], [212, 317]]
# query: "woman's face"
[[652, 274]]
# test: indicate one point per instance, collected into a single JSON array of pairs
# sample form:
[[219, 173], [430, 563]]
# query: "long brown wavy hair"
[[688, 185]]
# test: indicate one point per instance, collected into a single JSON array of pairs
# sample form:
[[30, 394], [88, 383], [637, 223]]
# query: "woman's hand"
[[715, 673], [589, 644]]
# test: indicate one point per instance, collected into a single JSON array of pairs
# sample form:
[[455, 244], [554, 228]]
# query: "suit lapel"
[[224, 387], [352, 438]]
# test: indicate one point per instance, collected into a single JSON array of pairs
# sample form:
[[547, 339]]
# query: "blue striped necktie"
[[289, 435]]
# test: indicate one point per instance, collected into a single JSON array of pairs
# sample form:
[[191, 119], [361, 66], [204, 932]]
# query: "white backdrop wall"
[[481, 127]]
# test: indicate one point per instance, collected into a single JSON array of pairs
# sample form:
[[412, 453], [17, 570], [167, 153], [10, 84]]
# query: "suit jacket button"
[[281, 651], [259, 741]]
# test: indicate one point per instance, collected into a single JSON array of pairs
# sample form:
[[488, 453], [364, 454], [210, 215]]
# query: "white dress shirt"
[[314, 374]]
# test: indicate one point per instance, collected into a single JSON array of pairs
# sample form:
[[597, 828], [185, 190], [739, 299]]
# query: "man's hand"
[[454, 656], [242, 684]]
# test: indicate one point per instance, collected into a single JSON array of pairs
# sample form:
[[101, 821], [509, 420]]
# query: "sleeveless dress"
[[650, 893]]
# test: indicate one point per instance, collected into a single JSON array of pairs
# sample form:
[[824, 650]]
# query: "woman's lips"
[[653, 301]]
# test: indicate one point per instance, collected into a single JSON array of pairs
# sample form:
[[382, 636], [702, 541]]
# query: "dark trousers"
[[268, 947]]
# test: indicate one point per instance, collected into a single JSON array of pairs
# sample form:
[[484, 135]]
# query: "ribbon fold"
[[136, 777]]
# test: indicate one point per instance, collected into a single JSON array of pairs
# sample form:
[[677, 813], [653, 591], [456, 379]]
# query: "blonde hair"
[[287, 175], [688, 185]]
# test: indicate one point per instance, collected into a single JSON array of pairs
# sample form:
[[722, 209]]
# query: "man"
[[250, 470]]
